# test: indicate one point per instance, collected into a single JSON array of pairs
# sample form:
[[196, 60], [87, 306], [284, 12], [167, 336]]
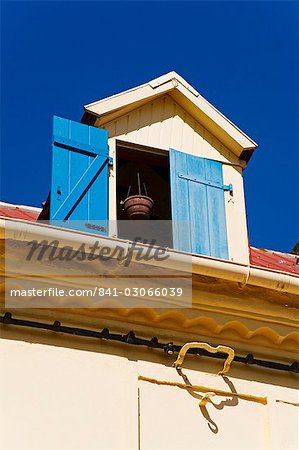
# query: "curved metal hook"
[[220, 348]]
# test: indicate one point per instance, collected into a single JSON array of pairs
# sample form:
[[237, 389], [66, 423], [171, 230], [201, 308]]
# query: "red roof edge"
[[11, 211], [284, 262]]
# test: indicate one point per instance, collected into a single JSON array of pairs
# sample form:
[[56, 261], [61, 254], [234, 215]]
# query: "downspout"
[[201, 265], [246, 274]]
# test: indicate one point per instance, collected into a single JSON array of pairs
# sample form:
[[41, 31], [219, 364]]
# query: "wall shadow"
[[233, 401]]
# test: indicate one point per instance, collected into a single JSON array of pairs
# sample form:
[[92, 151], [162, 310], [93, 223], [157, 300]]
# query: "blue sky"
[[242, 56]]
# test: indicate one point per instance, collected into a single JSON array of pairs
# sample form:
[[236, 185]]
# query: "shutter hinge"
[[225, 187]]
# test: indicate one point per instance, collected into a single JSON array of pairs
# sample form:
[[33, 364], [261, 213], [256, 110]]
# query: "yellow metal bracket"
[[208, 392], [220, 348]]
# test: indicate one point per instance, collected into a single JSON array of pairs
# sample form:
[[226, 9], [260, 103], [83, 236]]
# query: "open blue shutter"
[[197, 202], [79, 190]]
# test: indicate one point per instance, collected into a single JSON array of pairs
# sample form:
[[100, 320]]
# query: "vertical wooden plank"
[[133, 125], [144, 121], [79, 163], [121, 127], [180, 204], [98, 193], [200, 233], [60, 161], [216, 211], [166, 123], [155, 125], [188, 133], [177, 127]]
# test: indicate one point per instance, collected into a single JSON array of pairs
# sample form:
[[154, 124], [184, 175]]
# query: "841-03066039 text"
[[99, 292], [141, 292]]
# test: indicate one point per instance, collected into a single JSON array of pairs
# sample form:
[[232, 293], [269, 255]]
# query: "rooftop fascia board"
[[167, 83], [156, 82], [176, 78], [119, 101]]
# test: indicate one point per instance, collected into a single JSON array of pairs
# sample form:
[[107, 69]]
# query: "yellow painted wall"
[[61, 398], [164, 124]]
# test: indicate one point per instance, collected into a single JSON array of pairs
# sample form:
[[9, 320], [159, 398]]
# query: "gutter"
[[245, 274], [202, 265]]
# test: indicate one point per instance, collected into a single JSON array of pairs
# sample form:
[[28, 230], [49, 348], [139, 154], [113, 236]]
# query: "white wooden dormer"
[[167, 113], [190, 156]]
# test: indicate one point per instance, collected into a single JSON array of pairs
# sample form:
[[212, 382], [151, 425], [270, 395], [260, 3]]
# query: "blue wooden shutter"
[[197, 202], [79, 190]]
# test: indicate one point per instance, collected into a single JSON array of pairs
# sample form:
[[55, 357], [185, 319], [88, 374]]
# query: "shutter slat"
[[79, 163], [198, 207], [216, 211], [179, 204], [99, 194], [201, 204], [60, 166]]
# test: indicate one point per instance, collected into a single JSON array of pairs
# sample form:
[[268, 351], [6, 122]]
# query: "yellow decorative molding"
[[211, 325]]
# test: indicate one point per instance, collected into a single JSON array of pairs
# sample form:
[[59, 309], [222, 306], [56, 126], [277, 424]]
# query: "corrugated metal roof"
[[19, 212], [274, 260]]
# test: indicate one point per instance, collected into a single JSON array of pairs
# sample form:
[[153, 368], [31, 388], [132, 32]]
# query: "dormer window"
[[165, 143]]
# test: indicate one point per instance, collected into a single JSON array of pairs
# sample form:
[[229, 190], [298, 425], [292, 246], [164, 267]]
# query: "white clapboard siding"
[[164, 124]]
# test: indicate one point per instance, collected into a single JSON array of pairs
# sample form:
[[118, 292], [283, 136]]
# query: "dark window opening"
[[145, 171]]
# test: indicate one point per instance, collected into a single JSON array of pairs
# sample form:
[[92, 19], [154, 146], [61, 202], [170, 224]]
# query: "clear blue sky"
[[241, 56]]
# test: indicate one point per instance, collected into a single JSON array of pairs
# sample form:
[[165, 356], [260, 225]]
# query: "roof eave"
[[226, 131]]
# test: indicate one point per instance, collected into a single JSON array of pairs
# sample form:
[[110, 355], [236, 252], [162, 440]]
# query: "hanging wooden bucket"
[[138, 207]]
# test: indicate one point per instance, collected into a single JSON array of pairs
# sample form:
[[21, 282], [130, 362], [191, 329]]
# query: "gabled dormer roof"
[[183, 93]]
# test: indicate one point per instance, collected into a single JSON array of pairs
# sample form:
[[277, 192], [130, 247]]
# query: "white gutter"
[[246, 274], [201, 265]]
